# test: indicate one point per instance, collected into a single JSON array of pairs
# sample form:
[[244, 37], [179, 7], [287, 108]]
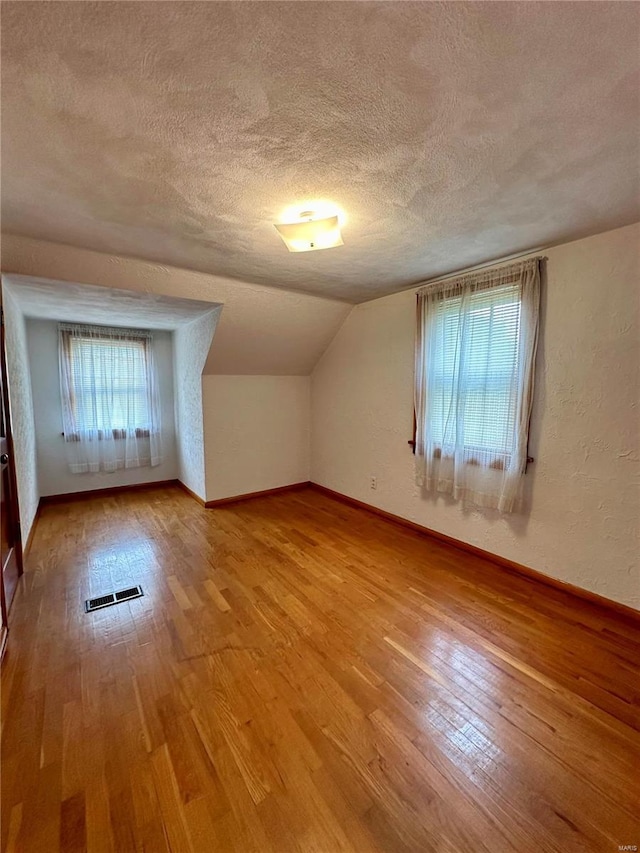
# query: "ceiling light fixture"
[[310, 234]]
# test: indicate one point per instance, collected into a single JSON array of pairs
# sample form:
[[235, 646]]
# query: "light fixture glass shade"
[[310, 235]]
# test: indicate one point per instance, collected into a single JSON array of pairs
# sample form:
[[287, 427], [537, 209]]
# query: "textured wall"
[[261, 330], [54, 477], [21, 403], [450, 133], [191, 343], [257, 432], [583, 489]]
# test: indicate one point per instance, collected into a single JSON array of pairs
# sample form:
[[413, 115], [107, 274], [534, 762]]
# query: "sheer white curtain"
[[475, 351], [110, 405]]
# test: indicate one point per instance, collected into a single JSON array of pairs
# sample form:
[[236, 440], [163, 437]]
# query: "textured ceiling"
[[81, 303], [449, 133]]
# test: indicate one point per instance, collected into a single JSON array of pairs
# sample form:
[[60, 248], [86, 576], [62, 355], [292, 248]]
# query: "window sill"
[[117, 434]]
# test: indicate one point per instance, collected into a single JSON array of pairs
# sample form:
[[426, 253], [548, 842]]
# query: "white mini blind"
[[474, 374], [475, 348]]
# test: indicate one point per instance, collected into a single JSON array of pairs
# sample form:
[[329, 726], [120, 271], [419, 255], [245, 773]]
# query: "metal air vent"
[[112, 598]]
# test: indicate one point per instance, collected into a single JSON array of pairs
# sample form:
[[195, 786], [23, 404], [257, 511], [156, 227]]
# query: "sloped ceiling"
[[450, 133], [104, 306], [261, 330]]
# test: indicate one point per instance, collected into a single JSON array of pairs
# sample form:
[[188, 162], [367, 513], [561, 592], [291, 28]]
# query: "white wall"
[[191, 348], [21, 405], [54, 477], [257, 431], [581, 525]]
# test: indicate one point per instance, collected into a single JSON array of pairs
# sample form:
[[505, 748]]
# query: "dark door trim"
[[12, 490]]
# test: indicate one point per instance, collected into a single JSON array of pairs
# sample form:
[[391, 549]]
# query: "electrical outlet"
[[373, 482]]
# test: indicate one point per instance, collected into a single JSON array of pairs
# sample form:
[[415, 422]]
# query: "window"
[[484, 397], [109, 384], [475, 352], [109, 398]]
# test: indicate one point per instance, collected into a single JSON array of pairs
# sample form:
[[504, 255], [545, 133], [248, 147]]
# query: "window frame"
[[136, 337], [412, 442], [500, 458]]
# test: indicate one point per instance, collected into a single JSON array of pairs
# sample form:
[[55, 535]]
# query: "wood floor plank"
[[301, 675]]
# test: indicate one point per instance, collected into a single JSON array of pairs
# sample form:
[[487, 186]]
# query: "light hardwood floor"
[[301, 675]]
